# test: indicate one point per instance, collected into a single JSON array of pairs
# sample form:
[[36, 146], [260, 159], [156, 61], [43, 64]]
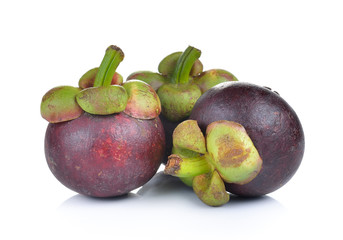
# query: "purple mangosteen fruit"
[[105, 140], [104, 156], [270, 122]]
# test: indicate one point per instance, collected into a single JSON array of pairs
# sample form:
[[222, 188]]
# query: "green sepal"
[[210, 188], [155, 80], [59, 104], [232, 152], [103, 100], [213, 77], [187, 135], [143, 102]]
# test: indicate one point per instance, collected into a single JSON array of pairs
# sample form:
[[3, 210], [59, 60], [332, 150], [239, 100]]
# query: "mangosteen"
[[105, 140], [104, 156], [270, 122]]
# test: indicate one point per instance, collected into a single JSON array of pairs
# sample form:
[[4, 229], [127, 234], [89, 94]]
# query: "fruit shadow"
[[161, 188], [167, 199], [164, 191], [172, 188]]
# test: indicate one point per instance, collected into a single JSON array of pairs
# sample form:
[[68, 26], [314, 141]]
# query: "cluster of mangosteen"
[[108, 137]]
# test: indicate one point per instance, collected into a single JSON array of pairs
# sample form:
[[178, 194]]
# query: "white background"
[[294, 47]]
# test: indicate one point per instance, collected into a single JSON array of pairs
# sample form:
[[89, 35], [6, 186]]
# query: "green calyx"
[[102, 92], [179, 97], [178, 100], [180, 81], [213, 77], [135, 98], [174, 83], [104, 98], [226, 154]]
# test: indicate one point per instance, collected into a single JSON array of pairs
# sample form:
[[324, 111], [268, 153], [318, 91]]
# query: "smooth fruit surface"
[[104, 156], [270, 122]]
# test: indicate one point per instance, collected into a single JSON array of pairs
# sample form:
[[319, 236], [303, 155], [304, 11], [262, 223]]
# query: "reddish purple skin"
[[104, 156], [271, 123]]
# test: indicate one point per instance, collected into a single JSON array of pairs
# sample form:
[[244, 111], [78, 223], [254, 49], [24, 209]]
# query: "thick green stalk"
[[113, 56], [187, 167], [184, 65]]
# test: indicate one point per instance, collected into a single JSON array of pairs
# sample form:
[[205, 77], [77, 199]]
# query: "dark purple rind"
[[168, 127], [104, 156], [271, 123]]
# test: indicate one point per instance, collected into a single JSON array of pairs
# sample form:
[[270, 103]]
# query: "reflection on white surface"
[[166, 204]]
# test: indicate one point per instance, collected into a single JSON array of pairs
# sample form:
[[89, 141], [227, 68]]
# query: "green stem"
[[187, 167], [184, 65], [113, 56]]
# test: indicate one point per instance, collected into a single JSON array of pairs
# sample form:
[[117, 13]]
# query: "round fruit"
[[106, 139], [104, 156], [270, 122]]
